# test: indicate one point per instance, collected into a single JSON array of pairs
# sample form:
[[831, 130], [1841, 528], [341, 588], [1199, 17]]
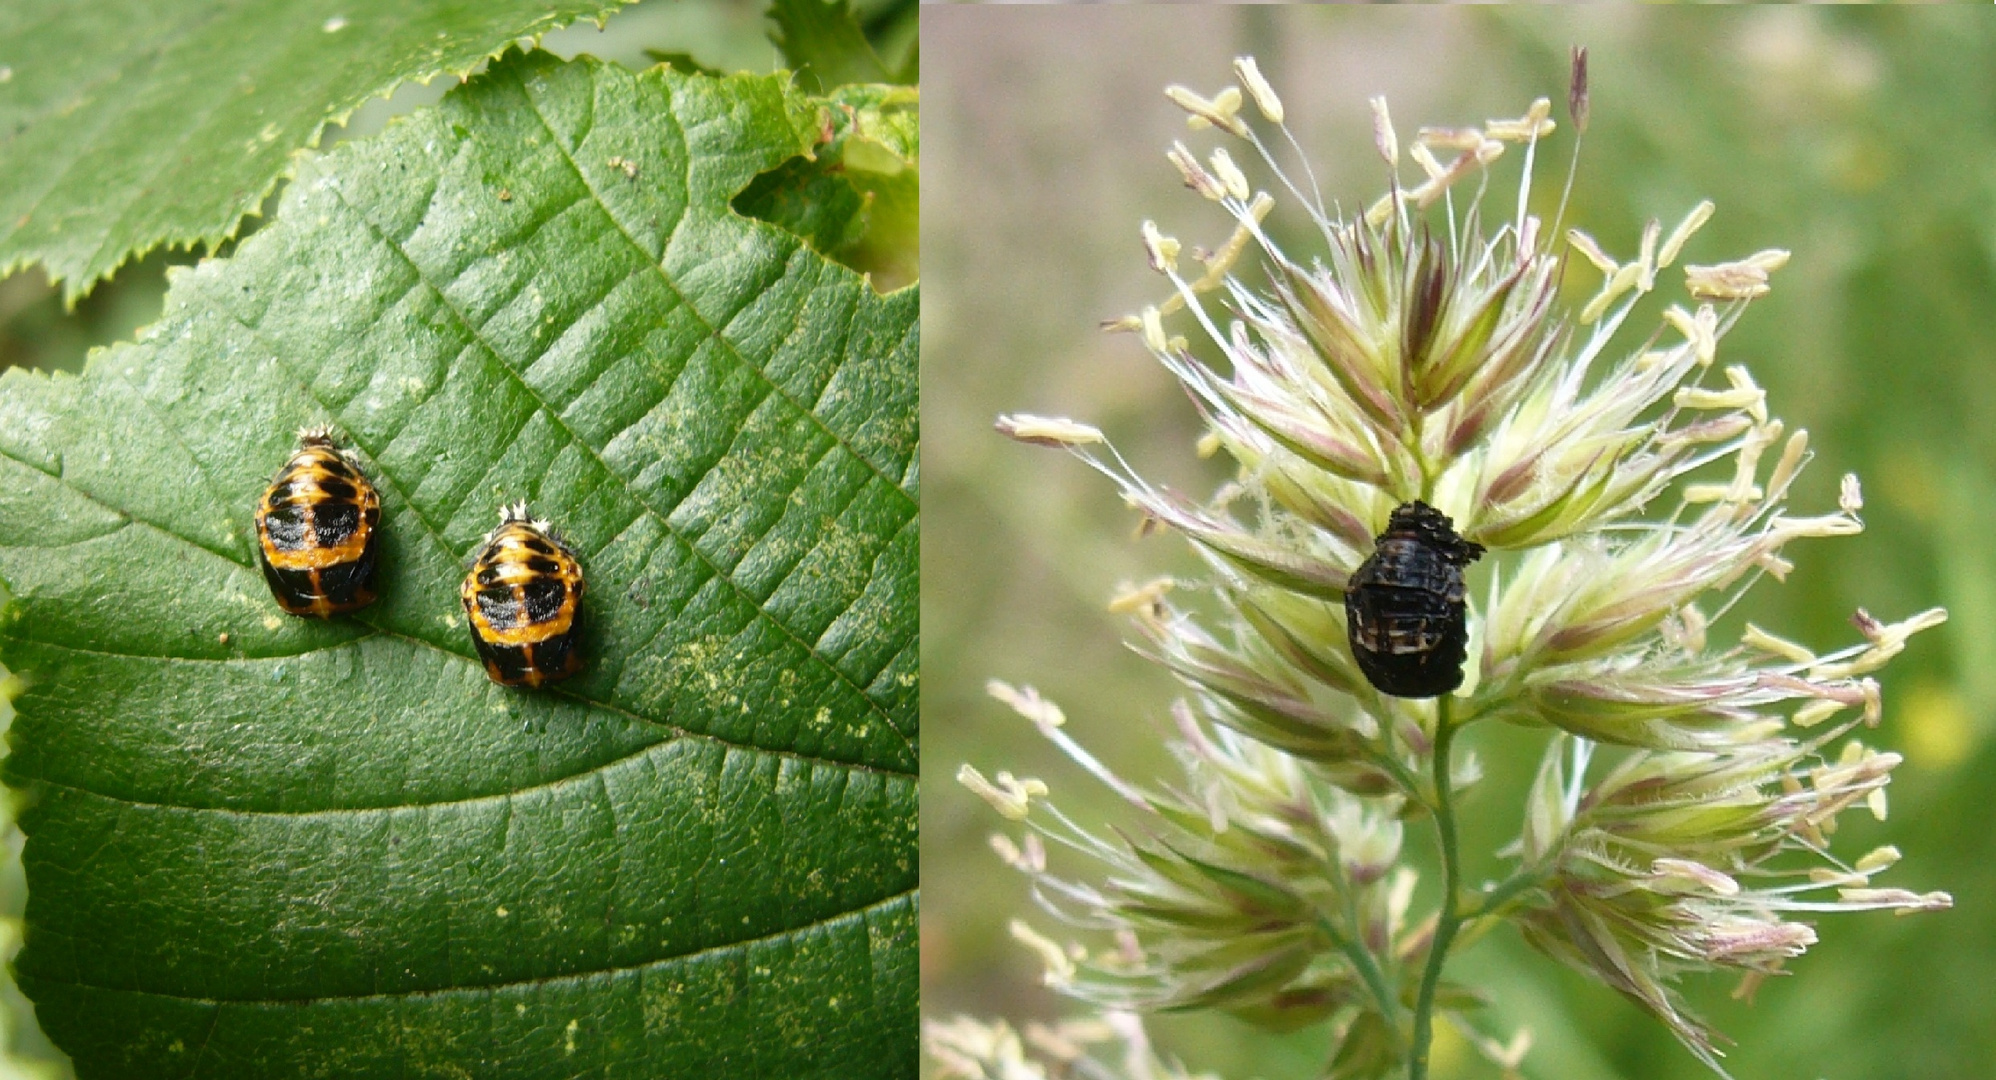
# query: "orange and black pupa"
[[318, 530], [523, 598]]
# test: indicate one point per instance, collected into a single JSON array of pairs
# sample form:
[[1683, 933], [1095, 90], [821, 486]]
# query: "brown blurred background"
[[1862, 139]]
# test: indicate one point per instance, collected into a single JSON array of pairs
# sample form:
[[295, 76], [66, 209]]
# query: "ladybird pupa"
[[1404, 605], [318, 530], [523, 601]]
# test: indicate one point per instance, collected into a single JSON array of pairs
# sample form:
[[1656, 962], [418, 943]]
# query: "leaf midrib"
[[594, 771], [675, 732], [849, 915]]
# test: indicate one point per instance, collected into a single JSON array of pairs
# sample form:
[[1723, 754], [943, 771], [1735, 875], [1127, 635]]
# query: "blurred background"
[[1862, 139]]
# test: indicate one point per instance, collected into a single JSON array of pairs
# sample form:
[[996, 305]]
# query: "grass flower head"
[[1627, 485]]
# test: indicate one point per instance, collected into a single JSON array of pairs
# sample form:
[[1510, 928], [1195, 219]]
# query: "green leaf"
[[823, 40], [268, 846], [128, 124], [858, 198], [1367, 1050], [683, 61], [812, 198], [881, 156], [893, 26]]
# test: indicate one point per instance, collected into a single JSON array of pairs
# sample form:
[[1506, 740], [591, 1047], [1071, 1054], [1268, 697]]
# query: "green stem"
[[1502, 893], [1362, 961], [1401, 776], [1449, 920], [1413, 442]]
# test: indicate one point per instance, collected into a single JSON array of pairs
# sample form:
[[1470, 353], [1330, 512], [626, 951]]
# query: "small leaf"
[[1301, 1004], [857, 199], [1546, 816], [882, 159], [267, 846], [1249, 893], [1273, 966], [1368, 1050], [683, 62], [128, 124]]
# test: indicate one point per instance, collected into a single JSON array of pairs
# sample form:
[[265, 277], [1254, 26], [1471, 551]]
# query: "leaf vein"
[[712, 331], [505, 798], [828, 923], [176, 659], [179, 439]]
